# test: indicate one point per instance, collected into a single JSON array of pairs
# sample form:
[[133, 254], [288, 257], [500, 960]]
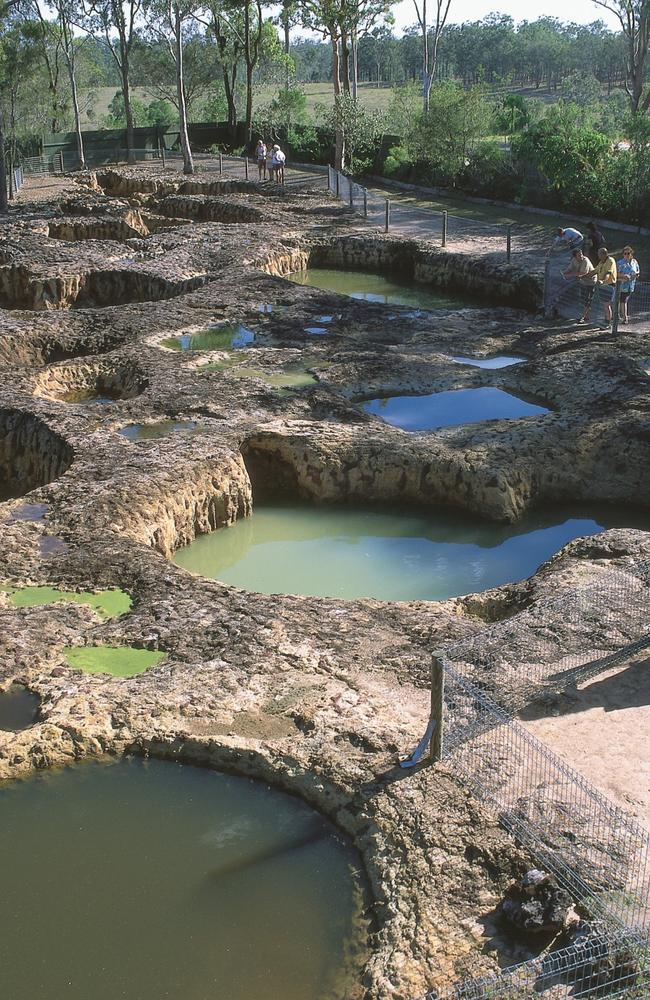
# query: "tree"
[[52, 52], [108, 16], [430, 42], [169, 24], [68, 15], [634, 19]]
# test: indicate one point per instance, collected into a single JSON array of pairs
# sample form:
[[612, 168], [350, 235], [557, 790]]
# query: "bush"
[[398, 163], [490, 173], [307, 145]]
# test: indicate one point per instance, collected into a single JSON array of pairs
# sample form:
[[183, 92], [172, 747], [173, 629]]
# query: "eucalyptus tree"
[[116, 20], [634, 19], [431, 34], [69, 15], [169, 21], [51, 46]]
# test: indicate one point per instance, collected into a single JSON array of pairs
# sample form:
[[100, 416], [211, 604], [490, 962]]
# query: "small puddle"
[[451, 408], [107, 603], [30, 512], [52, 545], [499, 361], [384, 552], [121, 661], [372, 287], [316, 331], [151, 879], [223, 337], [18, 708], [152, 432]]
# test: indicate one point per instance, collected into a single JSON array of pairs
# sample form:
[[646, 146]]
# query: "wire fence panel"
[[569, 298]]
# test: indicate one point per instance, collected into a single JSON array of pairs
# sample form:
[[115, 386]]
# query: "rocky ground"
[[318, 696]]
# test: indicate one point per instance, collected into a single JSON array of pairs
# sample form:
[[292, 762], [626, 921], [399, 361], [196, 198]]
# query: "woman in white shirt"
[[279, 160]]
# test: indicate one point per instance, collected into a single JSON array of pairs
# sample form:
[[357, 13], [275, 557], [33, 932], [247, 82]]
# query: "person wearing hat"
[[279, 160]]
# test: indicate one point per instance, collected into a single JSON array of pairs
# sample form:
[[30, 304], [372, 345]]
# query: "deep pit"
[[19, 708], [206, 879], [387, 290], [91, 383], [31, 454], [221, 337]]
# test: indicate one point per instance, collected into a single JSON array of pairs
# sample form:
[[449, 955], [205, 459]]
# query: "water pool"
[[451, 408], [372, 287], [390, 553], [145, 880]]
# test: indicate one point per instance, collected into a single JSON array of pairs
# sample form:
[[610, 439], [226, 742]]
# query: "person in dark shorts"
[[260, 156], [582, 270], [596, 240], [628, 273]]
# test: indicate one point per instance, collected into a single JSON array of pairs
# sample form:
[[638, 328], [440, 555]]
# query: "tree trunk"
[[339, 151], [128, 110], [188, 163], [287, 42], [345, 61], [355, 65], [4, 207], [77, 118]]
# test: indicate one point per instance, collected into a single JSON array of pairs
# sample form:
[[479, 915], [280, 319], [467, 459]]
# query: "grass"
[[121, 661]]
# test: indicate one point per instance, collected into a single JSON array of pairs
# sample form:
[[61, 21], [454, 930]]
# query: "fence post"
[[445, 223], [437, 706], [351, 194], [162, 151], [387, 227], [220, 163], [615, 307], [338, 184], [246, 167], [365, 203], [61, 155], [508, 243], [547, 288]]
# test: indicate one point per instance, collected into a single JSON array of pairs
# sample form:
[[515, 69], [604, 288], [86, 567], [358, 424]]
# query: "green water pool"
[[372, 287], [121, 661], [390, 553], [223, 337], [145, 880], [107, 603]]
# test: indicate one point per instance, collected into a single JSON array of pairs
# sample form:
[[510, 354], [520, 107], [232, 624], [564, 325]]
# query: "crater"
[[370, 286], [19, 708], [451, 408], [21, 289], [91, 383], [204, 208], [31, 453], [130, 226]]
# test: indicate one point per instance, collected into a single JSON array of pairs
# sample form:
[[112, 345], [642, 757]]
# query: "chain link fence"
[[444, 228], [594, 849], [573, 299]]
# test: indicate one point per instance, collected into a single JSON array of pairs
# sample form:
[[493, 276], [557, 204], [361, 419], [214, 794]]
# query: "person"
[[628, 273], [605, 271], [596, 239], [270, 166], [260, 156], [582, 270], [279, 160], [567, 239]]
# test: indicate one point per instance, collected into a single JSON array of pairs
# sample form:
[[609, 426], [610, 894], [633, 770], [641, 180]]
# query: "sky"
[[579, 11]]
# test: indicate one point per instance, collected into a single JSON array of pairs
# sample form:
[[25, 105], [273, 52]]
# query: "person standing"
[[596, 240], [260, 156], [606, 276], [582, 270], [279, 160], [628, 273]]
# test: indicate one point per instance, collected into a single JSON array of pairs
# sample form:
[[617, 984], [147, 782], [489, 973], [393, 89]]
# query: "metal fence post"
[[351, 194], [445, 223], [338, 183], [365, 203], [437, 706], [220, 163], [246, 167], [387, 226], [615, 307], [61, 156], [508, 243]]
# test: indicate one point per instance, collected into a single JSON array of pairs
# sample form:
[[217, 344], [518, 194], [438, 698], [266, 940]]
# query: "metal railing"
[[594, 849], [15, 180], [428, 224], [571, 299]]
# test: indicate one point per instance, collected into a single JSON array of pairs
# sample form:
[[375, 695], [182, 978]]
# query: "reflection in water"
[[209, 886], [373, 287], [217, 338], [450, 408], [499, 361], [386, 553]]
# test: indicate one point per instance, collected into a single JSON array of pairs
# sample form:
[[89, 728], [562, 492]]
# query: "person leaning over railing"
[[566, 239], [606, 276], [582, 270], [628, 274]]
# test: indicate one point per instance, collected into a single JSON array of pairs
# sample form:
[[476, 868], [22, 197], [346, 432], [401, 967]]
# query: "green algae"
[[121, 661], [223, 337], [107, 603]]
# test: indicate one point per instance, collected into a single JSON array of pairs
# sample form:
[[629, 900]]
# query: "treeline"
[[495, 51]]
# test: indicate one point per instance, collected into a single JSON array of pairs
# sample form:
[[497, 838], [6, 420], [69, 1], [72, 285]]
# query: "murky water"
[[107, 603], [151, 880], [121, 661], [224, 337], [499, 361], [451, 408], [397, 554], [18, 709], [161, 429], [373, 287]]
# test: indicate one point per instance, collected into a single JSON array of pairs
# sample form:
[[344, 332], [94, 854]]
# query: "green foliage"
[[513, 115], [398, 162], [288, 108], [307, 145], [161, 112], [491, 173], [116, 117]]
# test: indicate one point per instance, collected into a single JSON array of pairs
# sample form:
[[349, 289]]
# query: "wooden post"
[[616, 301], [387, 226], [162, 151], [445, 221], [509, 243], [365, 203], [351, 194], [246, 166], [220, 163], [338, 184], [437, 706]]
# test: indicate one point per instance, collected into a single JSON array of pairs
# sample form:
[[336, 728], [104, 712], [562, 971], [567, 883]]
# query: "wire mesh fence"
[[443, 227], [595, 850]]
